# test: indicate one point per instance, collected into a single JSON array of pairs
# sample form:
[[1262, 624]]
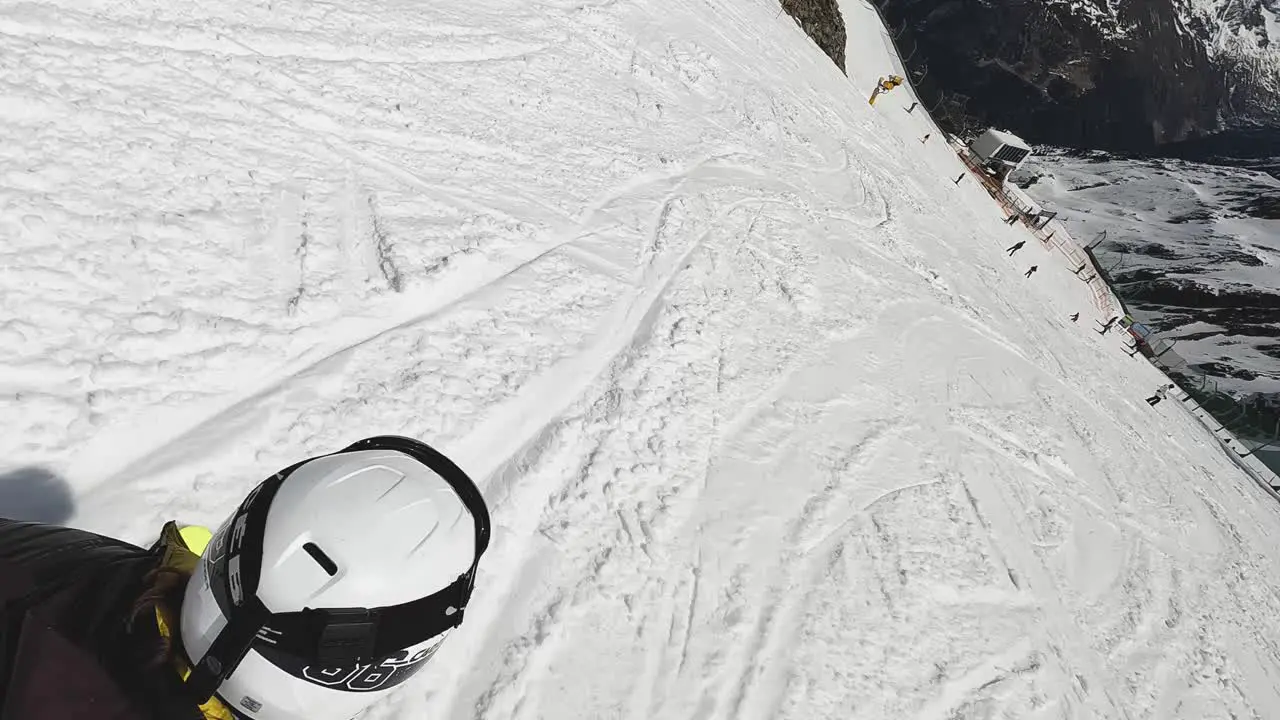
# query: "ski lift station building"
[[1000, 151]]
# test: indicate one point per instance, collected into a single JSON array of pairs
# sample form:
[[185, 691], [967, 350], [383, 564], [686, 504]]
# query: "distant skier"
[[1075, 317], [1107, 327], [1016, 247], [94, 628], [958, 179], [1013, 219], [913, 107], [926, 137], [1161, 393], [1032, 271]]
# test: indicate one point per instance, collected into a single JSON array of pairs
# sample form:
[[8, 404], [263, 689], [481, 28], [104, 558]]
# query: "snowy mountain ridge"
[[1227, 21], [1243, 35], [1106, 17]]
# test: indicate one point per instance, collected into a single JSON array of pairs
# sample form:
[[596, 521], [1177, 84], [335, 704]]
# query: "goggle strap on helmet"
[[234, 565], [227, 650], [344, 635], [330, 636]]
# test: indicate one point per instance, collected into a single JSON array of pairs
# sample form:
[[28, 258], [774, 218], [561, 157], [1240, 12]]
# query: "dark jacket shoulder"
[[67, 648]]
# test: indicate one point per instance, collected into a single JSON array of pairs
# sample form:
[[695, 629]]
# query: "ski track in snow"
[[769, 423]]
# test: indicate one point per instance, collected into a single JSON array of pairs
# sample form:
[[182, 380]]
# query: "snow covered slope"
[[770, 424], [1194, 249]]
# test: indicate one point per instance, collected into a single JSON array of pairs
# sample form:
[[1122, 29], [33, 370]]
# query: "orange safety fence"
[[1051, 234]]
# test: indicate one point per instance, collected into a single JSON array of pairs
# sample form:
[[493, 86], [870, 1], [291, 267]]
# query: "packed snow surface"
[[770, 424]]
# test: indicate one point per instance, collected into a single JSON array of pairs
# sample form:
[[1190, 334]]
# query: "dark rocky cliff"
[[1124, 74], [822, 22]]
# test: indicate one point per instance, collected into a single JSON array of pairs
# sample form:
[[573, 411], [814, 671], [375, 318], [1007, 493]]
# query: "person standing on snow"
[[1161, 393], [1107, 327], [1015, 247], [335, 580], [1075, 317], [1032, 271]]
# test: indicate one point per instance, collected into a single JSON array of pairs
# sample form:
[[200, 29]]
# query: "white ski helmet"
[[334, 581]]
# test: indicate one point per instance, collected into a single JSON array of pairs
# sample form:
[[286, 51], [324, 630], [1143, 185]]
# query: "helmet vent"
[[321, 559]]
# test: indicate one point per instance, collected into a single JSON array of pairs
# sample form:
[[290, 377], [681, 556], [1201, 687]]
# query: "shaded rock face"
[[1174, 302], [1249, 148], [822, 22], [1122, 74]]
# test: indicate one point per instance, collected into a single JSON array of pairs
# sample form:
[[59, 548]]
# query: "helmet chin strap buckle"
[[348, 636]]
